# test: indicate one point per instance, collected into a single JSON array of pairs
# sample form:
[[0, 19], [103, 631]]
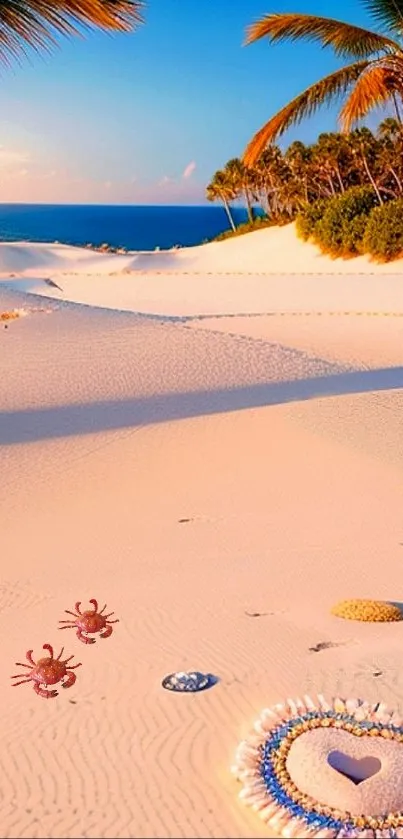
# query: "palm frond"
[[374, 87], [346, 39], [35, 23], [326, 90], [386, 13]]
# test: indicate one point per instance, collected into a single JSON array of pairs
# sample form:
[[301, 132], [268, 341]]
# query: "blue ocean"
[[135, 228]]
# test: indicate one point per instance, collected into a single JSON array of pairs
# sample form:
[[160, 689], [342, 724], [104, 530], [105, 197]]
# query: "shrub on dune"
[[308, 218], [341, 229], [384, 231]]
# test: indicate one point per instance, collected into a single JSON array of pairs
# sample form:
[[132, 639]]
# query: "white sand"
[[210, 279], [277, 438]]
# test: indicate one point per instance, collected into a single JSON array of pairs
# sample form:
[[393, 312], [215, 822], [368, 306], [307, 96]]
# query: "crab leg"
[[95, 604], [77, 608], [71, 613], [47, 694], [22, 682], [21, 664], [72, 666], [115, 621], [28, 655], [82, 637], [103, 609], [49, 648], [60, 654], [107, 633], [70, 679], [108, 616]]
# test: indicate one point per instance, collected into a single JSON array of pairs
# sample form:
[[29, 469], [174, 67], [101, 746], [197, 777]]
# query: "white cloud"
[[188, 171], [10, 158]]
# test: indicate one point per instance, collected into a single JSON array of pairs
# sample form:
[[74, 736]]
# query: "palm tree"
[[242, 181], [220, 188], [34, 23], [365, 151], [269, 171], [390, 136], [373, 78]]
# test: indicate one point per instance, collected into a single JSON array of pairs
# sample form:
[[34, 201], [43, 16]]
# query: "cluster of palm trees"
[[283, 183]]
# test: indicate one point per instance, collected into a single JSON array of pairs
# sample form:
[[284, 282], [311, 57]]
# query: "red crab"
[[90, 622], [46, 671]]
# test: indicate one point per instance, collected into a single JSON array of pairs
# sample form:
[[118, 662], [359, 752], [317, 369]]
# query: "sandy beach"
[[209, 441]]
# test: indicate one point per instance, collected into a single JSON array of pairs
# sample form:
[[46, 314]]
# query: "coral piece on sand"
[[303, 766], [12, 314], [367, 610]]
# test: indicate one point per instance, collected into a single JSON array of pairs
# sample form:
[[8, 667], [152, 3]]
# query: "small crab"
[[90, 622], [47, 671]]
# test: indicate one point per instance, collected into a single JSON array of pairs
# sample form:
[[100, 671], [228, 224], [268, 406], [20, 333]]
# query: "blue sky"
[[148, 117]]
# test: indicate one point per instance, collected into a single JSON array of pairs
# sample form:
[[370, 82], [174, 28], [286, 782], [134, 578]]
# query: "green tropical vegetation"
[[330, 188]]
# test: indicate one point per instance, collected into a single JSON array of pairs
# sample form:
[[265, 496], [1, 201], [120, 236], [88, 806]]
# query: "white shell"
[[363, 712], [323, 704], [352, 705], [282, 711], [252, 788], [292, 707], [339, 706], [268, 812], [269, 714], [293, 828], [309, 704], [279, 820]]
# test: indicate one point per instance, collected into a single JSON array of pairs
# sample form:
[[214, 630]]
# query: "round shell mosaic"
[[325, 769]]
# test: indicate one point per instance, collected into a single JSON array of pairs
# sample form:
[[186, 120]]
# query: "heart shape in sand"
[[349, 773], [356, 770]]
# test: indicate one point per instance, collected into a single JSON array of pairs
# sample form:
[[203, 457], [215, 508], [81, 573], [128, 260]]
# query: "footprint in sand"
[[327, 645]]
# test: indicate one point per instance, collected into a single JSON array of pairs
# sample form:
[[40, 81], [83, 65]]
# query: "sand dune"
[[236, 276], [219, 483]]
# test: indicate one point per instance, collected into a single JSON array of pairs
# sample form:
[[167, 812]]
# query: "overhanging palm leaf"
[[374, 87], [347, 40], [326, 90], [387, 13], [35, 22]]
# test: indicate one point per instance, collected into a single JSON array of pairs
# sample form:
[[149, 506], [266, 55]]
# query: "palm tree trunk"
[[397, 109], [371, 178], [268, 201], [340, 179], [228, 212], [331, 184], [397, 179], [248, 204]]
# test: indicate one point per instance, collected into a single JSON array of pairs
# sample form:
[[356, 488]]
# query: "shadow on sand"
[[34, 424]]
